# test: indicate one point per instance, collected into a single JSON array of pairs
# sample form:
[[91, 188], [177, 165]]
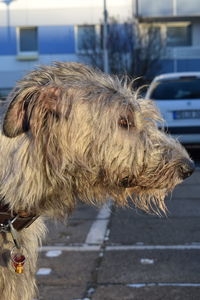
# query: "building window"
[[178, 36], [155, 8], [27, 41], [86, 38]]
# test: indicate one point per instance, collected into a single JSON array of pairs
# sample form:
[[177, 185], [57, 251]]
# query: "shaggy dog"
[[71, 132]]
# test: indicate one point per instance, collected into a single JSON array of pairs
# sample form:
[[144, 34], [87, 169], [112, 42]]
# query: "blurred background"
[[141, 38]]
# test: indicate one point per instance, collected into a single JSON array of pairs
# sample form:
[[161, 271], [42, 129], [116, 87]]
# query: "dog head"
[[92, 137]]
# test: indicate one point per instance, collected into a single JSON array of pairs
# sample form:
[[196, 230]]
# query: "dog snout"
[[186, 168]]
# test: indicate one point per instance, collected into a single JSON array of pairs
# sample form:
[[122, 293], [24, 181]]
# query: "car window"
[[176, 89]]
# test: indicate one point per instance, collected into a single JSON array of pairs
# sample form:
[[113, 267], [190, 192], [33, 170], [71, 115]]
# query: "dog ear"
[[29, 106]]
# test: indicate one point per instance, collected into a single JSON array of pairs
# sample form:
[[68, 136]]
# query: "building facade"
[[42, 31], [178, 23]]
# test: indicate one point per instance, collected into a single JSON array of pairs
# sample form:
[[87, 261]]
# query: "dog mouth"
[[130, 182], [184, 170], [126, 182]]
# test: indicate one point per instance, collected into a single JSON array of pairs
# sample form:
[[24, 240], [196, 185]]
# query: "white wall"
[[62, 12]]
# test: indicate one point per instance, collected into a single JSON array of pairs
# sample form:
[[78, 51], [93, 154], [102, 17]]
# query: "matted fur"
[[71, 132]]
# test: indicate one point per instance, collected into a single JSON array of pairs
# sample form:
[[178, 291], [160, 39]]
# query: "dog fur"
[[71, 132]]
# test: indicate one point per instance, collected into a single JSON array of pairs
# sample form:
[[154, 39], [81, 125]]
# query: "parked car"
[[178, 97]]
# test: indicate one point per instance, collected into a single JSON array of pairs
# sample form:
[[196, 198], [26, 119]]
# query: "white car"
[[178, 97]]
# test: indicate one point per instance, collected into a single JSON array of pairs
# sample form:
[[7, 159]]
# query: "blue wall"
[[61, 40], [188, 65], [183, 65], [51, 40], [166, 66], [56, 39], [8, 44]]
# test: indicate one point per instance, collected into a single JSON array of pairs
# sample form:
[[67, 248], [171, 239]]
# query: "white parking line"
[[44, 271], [171, 284], [86, 247], [153, 247], [98, 229], [96, 235], [76, 248], [53, 253]]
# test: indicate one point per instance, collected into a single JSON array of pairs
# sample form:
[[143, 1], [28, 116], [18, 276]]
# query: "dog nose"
[[186, 168]]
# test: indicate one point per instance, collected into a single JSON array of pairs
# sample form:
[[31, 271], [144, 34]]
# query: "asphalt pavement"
[[124, 254]]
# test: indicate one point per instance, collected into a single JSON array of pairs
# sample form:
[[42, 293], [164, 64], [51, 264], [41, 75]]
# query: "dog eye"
[[125, 123]]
